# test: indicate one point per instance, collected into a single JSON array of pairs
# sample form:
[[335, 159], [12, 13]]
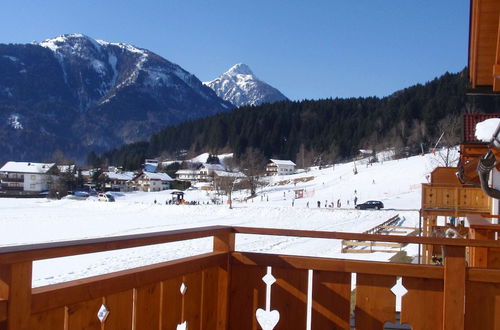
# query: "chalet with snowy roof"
[[204, 173], [26, 178], [150, 182], [119, 181], [207, 171], [280, 167]]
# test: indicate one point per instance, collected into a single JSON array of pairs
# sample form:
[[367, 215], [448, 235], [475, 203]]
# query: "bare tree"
[[252, 165], [450, 128]]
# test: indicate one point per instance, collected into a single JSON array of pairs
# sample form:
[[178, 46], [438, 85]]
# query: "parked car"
[[377, 205], [105, 197]]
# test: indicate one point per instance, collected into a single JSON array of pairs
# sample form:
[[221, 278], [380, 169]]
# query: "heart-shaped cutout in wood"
[[267, 319]]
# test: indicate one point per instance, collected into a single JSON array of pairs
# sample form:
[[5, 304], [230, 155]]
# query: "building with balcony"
[[150, 182], [26, 178], [280, 167]]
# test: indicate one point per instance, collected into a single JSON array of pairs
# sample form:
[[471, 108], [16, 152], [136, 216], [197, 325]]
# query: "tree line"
[[320, 131]]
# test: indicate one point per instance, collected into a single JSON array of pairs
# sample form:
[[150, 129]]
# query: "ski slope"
[[396, 183]]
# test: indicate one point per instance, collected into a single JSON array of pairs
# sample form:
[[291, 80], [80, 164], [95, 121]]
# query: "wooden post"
[[479, 256], [15, 284], [454, 288], [224, 242]]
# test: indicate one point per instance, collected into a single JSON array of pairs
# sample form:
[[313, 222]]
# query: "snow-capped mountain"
[[241, 87], [77, 94]]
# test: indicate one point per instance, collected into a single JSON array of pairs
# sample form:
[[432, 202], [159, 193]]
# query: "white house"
[[119, 181], [280, 167], [188, 175], [26, 178], [204, 173], [149, 182]]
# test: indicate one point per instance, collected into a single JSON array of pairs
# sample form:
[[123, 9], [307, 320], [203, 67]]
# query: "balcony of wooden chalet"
[[229, 289]]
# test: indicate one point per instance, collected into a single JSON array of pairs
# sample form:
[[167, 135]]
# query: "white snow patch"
[[14, 122], [486, 129], [12, 58]]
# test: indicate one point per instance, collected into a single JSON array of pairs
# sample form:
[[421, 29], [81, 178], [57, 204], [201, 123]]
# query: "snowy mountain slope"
[[241, 87], [396, 183], [77, 94]]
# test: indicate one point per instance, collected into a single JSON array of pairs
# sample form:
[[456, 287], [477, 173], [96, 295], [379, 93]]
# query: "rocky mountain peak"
[[241, 87]]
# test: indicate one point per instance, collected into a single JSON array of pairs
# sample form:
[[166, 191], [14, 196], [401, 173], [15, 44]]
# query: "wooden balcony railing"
[[459, 200], [226, 290]]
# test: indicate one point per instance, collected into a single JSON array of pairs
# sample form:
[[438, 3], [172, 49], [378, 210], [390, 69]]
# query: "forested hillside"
[[325, 129]]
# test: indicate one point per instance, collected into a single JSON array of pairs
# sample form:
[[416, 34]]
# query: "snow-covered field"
[[395, 183]]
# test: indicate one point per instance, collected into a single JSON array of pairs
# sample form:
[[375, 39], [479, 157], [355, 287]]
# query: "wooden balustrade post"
[[454, 288], [15, 285], [224, 242]]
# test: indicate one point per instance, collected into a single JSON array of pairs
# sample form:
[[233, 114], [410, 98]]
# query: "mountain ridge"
[[75, 94]]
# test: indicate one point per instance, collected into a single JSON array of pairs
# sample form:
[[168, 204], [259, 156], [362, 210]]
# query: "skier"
[[355, 200], [319, 204]]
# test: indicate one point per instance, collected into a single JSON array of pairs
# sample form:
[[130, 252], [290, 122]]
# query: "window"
[[32, 186], [33, 177]]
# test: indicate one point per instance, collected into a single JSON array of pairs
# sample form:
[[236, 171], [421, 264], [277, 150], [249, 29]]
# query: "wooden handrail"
[[337, 265], [21, 253], [367, 237]]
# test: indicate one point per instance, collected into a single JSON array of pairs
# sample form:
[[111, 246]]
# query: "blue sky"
[[307, 49]]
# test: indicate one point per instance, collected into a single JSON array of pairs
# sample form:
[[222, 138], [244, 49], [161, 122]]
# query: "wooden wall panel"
[[120, 307], [482, 306], [49, 320], [375, 302], [331, 296], [147, 307], [171, 303], [289, 297], [83, 316], [210, 296], [192, 300], [247, 293], [422, 305]]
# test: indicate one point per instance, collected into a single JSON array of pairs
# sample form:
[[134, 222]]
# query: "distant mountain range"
[[241, 87], [75, 94]]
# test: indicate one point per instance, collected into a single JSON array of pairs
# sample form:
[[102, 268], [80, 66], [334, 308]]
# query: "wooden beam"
[[15, 254], [496, 65], [454, 288], [367, 237], [337, 265], [19, 303]]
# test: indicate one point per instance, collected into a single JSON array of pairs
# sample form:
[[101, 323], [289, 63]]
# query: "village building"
[[204, 173], [119, 181], [150, 182], [280, 167], [187, 175], [26, 178]]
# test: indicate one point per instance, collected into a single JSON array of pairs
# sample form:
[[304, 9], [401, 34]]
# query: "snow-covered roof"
[[27, 167], [150, 167], [157, 176], [123, 176], [366, 151], [282, 162], [486, 129], [186, 172], [214, 167], [230, 174]]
